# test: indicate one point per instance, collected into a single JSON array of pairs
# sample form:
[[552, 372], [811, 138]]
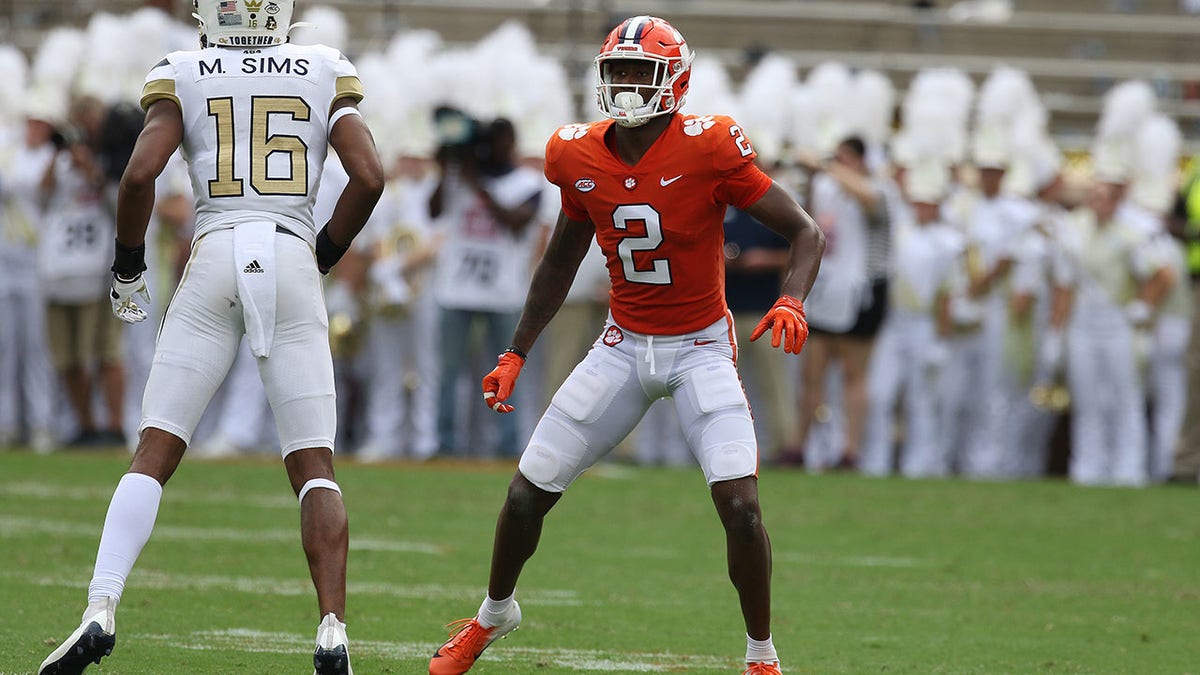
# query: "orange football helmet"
[[645, 38]]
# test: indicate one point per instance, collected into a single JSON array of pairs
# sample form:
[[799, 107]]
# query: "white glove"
[[1052, 352], [937, 355], [1139, 312], [122, 294]]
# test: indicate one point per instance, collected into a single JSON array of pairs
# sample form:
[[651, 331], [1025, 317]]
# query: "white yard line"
[[852, 561], [160, 580], [580, 660], [33, 490], [18, 525]]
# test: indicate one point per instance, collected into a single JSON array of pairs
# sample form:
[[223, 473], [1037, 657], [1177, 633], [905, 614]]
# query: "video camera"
[[462, 138]]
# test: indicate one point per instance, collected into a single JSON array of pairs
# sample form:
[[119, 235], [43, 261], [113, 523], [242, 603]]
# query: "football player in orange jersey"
[[651, 184]]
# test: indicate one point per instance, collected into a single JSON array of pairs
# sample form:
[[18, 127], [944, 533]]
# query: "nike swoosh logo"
[[664, 182], [701, 343]]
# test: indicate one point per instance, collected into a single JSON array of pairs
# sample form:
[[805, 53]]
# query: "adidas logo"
[[253, 268]]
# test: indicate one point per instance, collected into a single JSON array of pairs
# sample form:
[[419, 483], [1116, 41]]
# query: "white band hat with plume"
[[1126, 106], [1005, 94], [765, 114], [1156, 164]]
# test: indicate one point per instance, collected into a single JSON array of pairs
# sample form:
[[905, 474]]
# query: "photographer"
[[74, 253], [483, 205]]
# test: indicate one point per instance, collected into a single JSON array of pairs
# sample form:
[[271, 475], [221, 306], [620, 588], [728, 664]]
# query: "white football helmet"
[[244, 23]]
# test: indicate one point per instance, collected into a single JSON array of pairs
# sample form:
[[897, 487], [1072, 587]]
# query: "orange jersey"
[[659, 223]]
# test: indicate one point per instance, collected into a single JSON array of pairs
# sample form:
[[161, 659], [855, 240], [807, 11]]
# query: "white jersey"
[[482, 266], [74, 248], [256, 128], [841, 290], [20, 211], [924, 258], [1109, 261]]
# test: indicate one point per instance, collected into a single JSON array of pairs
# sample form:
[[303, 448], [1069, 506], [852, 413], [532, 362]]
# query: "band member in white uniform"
[[26, 379], [910, 352]]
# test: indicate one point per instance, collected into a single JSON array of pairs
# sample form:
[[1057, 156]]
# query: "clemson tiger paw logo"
[[573, 132], [697, 125], [613, 336]]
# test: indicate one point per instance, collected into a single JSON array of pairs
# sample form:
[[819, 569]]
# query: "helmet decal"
[[244, 23]]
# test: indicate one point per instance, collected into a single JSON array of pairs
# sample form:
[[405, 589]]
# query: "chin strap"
[[300, 24]]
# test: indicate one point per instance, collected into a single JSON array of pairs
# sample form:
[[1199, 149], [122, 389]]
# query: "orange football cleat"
[[763, 669], [468, 639]]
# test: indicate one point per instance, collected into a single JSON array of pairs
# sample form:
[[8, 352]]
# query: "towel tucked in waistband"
[[254, 265]]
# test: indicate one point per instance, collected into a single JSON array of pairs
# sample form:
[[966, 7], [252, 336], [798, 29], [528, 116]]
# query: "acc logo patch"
[[585, 185], [613, 336]]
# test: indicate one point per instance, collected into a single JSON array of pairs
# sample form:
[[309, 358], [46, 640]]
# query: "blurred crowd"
[[981, 301]]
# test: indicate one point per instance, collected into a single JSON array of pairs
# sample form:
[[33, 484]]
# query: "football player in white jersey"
[[255, 116]]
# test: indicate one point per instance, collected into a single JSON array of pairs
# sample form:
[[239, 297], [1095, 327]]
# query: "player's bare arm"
[[355, 146], [552, 278], [547, 290], [777, 210], [160, 137]]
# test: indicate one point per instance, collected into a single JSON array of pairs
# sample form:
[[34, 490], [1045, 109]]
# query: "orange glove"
[[498, 384], [787, 324]]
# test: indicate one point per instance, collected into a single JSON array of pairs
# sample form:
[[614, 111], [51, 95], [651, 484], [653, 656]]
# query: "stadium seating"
[[1074, 49]]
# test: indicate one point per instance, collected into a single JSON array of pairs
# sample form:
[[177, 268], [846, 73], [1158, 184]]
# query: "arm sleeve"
[[739, 181], [160, 84]]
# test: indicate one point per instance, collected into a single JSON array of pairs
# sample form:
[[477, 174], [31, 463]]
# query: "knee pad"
[[727, 448], [540, 466], [315, 483]]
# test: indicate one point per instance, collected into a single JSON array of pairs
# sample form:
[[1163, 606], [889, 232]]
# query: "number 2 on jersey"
[[262, 145], [739, 139], [660, 274]]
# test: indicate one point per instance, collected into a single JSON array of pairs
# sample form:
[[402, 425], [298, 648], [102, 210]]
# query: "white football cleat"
[[92, 641], [332, 656]]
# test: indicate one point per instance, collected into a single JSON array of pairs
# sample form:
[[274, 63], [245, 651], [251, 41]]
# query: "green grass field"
[[871, 576]]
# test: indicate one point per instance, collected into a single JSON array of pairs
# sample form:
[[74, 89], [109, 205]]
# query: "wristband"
[[513, 350], [129, 261], [328, 253]]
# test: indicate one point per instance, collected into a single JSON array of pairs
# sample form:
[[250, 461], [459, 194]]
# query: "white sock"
[[127, 527], [494, 612], [760, 651]]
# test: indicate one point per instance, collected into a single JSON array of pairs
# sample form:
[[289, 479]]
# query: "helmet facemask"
[[632, 105]]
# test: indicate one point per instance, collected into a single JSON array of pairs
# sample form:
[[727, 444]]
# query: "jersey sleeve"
[[740, 182], [346, 83], [160, 85], [555, 170]]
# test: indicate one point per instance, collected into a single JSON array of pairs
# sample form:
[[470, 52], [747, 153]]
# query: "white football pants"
[[609, 392], [203, 330]]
